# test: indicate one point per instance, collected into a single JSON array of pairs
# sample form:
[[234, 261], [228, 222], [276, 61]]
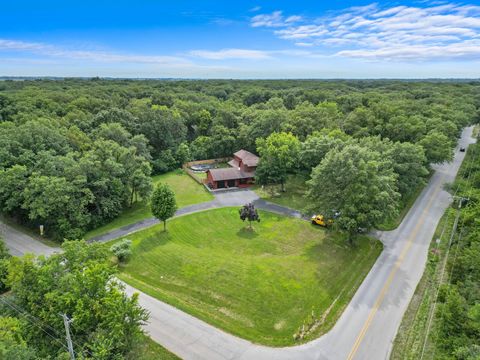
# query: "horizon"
[[48, 77], [253, 40]]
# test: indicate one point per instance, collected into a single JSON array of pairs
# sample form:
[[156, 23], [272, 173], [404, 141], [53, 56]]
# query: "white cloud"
[[464, 50], [225, 54], [293, 19], [435, 31], [274, 19], [96, 56], [248, 54], [301, 32]]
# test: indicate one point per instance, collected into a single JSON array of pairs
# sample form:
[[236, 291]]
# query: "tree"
[[278, 155], [356, 182], [79, 282], [115, 115], [12, 343], [163, 204], [164, 129], [438, 148], [409, 162], [4, 261], [222, 141], [201, 148], [315, 147], [12, 183], [122, 250], [182, 155], [307, 118], [58, 202], [248, 212]]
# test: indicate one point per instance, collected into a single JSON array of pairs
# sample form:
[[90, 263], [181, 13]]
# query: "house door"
[[220, 184], [231, 183]]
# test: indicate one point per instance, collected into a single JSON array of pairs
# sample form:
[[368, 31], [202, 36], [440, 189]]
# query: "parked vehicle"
[[321, 220], [462, 149]]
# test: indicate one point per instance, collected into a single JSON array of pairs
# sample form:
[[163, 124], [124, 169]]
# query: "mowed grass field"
[[262, 285], [293, 197], [187, 192]]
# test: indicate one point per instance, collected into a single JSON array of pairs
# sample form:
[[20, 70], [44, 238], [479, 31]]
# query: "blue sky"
[[241, 39]]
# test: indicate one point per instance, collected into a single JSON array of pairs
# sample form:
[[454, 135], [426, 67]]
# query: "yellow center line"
[[391, 276]]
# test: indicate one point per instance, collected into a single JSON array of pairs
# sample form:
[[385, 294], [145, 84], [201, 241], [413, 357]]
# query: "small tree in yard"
[[248, 212], [163, 204], [122, 250]]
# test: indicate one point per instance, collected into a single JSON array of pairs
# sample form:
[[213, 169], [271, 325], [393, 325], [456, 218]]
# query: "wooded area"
[[74, 153]]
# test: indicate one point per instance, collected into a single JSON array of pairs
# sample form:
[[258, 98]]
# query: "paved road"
[[19, 243], [368, 325]]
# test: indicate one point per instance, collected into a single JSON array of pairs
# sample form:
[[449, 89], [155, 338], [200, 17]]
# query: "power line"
[[449, 277], [24, 315], [454, 228], [42, 325], [66, 322]]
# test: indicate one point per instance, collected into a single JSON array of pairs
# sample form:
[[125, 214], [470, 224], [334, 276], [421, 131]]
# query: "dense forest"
[[74, 153]]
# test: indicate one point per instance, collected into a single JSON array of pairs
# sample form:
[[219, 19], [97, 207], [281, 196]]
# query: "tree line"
[[456, 330], [75, 153]]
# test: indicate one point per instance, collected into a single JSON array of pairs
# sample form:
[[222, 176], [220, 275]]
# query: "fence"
[[193, 175]]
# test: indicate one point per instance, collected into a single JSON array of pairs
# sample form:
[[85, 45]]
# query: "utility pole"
[[66, 322]]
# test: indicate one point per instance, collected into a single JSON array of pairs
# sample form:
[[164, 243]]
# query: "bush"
[[4, 260], [122, 250]]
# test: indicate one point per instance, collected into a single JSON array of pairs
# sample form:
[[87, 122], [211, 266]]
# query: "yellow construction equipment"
[[320, 220]]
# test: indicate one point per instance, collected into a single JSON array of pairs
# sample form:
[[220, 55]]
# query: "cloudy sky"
[[241, 39]]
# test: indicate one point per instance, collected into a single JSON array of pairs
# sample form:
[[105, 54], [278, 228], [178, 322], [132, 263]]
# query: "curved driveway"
[[367, 327]]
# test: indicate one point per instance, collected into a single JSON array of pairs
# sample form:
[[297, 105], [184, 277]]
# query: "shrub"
[[122, 250], [4, 260]]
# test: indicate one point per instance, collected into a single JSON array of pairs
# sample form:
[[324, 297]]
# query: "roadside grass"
[[393, 223], [410, 338], [261, 285], [187, 192], [147, 349], [293, 197]]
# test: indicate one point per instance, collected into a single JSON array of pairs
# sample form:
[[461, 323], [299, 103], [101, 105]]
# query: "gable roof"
[[229, 174], [247, 157]]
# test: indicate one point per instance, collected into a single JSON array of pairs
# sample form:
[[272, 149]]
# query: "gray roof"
[[247, 157], [230, 174]]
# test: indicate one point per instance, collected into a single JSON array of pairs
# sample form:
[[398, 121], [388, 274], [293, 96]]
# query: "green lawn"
[[261, 285], [293, 196], [187, 192]]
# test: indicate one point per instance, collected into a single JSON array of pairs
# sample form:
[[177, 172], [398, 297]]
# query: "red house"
[[240, 174]]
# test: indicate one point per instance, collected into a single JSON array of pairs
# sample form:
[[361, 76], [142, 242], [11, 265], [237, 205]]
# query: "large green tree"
[[279, 154], [316, 146], [163, 203], [410, 163], [438, 147], [356, 182], [78, 282]]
